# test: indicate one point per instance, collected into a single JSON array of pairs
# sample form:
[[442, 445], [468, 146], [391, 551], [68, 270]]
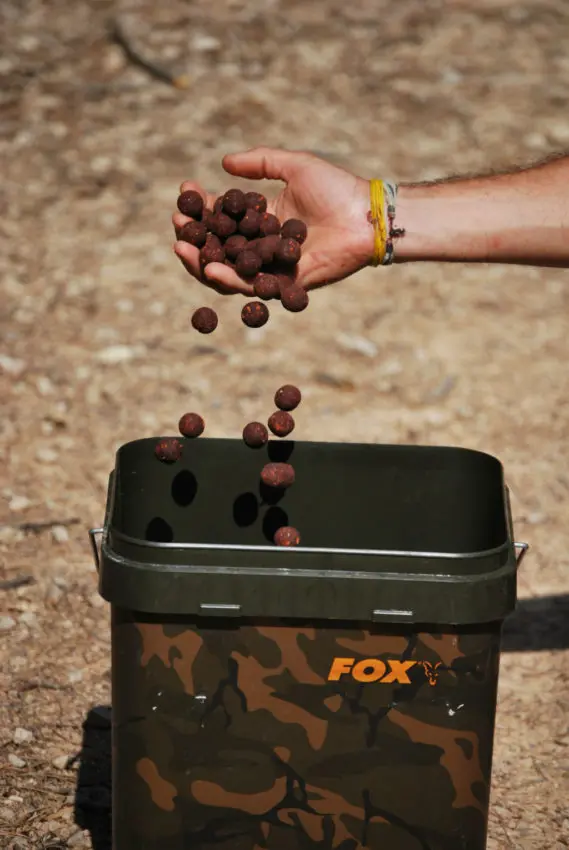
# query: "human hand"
[[333, 203]]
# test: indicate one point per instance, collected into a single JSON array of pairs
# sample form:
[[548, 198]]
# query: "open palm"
[[332, 202]]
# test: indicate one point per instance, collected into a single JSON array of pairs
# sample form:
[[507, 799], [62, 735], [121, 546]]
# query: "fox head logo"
[[431, 671]]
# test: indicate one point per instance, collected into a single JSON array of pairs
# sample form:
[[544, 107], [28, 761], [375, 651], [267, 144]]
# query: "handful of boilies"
[[240, 233]]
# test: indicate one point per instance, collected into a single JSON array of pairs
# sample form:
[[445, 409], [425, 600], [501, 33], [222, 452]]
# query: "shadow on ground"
[[93, 792], [538, 624]]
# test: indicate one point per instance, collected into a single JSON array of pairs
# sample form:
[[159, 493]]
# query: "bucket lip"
[[308, 550], [452, 449]]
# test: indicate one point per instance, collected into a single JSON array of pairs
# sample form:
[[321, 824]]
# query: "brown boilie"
[[279, 475], [222, 225], [266, 286], [255, 314], [295, 229], [191, 425], [234, 204], [269, 225], [190, 203], [250, 223], [255, 201], [294, 298], [288, 397], [288, 252], [281, 423], [255, 435], [266, 248], [248, 263], [194, 232], [204, 320], [287, 536], [168, 450], [234, 245]]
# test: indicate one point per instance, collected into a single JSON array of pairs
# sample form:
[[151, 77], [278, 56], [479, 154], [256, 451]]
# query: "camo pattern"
[[229, 736]]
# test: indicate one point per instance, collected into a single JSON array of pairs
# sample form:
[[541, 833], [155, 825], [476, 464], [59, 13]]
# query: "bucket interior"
[[346, 496]]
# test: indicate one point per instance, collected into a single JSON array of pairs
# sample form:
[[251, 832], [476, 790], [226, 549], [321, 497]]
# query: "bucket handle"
[[521, 549], [94, 533]]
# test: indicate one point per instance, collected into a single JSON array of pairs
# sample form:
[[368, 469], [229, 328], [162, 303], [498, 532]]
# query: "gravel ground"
[[97, 351]]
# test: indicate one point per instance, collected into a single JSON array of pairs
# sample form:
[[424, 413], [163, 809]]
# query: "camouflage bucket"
[[339, 695]]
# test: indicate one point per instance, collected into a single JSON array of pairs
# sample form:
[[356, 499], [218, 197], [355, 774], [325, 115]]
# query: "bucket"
[[341, 694]]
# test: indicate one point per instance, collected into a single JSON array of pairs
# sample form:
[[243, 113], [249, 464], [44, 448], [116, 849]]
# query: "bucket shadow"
[[92, 809], [541, 623]]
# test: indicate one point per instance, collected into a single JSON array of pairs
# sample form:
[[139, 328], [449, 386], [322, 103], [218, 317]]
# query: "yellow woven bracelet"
[[377, 200]]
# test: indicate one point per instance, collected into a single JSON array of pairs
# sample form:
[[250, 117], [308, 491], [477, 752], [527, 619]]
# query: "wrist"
[[442, 222]]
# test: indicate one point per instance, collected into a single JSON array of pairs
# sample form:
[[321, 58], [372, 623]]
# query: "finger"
[[189, 255], [179, 220], [265, 163], [228, 279]]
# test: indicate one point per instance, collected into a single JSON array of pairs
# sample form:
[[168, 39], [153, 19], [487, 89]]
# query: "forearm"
[[522, 217]]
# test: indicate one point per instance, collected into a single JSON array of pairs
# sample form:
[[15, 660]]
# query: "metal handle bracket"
[[94, 533], [521, 549]]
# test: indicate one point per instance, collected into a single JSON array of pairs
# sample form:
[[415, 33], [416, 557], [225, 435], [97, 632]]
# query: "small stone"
[[60, 762], [294, 298], [95, 600], [204, 320], [6, 623], [28, 618], [79, 839], [19, 503], [281, 423], [190, 203], [22, 736], [12, 365], [295, 229], [16, 761], [46, 455], [255, 201], [255, 314], [255, 435], [115, 354], [287, 536], [44, 385], [279, 475], [288, 397], [75, 676], [60, 534], [205, 43], [191, 425]]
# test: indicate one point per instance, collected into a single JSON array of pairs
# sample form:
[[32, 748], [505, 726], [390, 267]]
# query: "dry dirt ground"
[[96, 348]]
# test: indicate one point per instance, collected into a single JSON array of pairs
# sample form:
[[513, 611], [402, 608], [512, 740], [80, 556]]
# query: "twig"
[[44, 686], [42, 525], [18, 581], [119, 36]]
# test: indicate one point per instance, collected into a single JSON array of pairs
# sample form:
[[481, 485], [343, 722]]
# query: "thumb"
[[265, 163]]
